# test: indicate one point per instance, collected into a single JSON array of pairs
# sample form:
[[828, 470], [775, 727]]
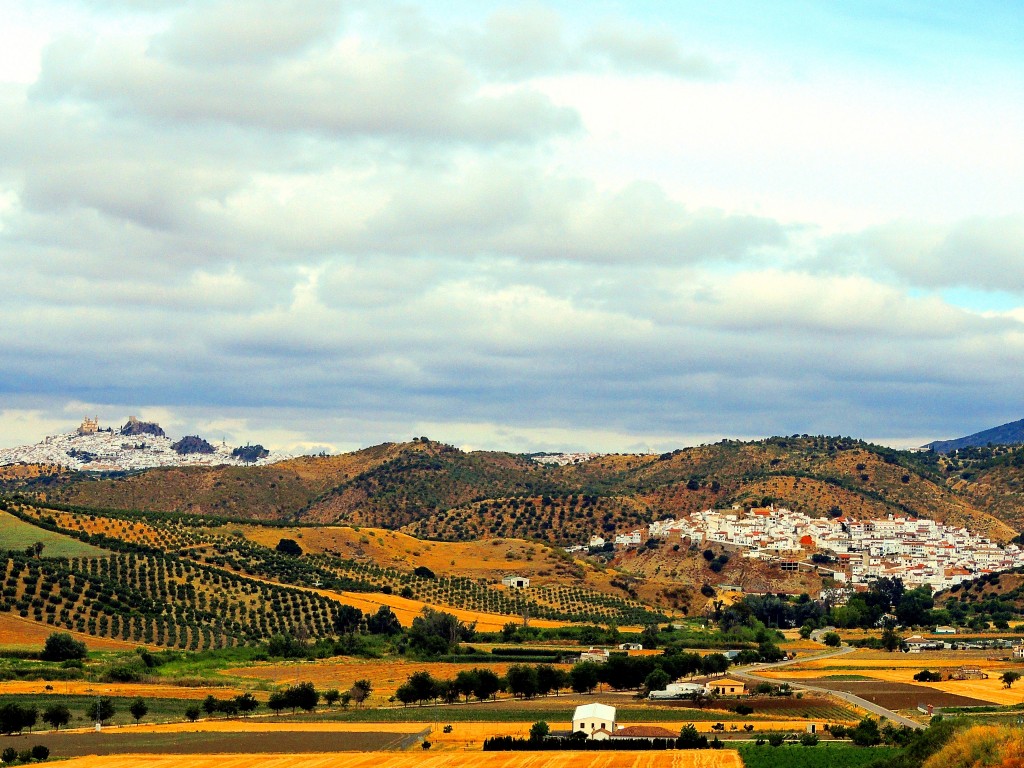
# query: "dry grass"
[[980, 747], [671, 759]]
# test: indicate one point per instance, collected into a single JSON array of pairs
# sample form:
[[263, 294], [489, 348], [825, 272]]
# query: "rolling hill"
[[432, 490]]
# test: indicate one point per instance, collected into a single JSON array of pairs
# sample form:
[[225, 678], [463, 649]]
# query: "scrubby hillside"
[[434, 490]]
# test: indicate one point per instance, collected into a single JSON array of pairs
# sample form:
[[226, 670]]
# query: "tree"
[[550, 678], [14, 718], [9, 755], [347, 620], [466, 682], [522, 680], [61, 646], [424, 686], [302, 695], [277, 702], [583, 677], [405, 694], [246, 704], [658, 680], [866, 734], [210, 705], [101, 710], [436, 632], [331, 696], [487, 684], [832, 639], [289, 547], [40, 753], [383, 622], [891, 640], [361, 690], [808, 739], [138, 710], [57, 715], [192, 712], [1009, 678], [539, 731]]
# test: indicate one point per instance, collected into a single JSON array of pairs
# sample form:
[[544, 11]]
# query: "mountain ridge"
[[1011, 433]]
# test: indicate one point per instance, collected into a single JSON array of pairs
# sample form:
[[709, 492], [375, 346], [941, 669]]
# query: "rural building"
[[969, 672], [726, 687], [945, 630], [1018, 651], [591, 718], [516, 582], [631, 646], [677, 691], [596, 655]]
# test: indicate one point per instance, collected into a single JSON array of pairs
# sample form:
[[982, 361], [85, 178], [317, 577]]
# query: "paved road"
[[751, 674]]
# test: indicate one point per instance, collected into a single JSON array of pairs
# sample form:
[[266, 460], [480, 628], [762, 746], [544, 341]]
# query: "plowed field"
[[672, 759]]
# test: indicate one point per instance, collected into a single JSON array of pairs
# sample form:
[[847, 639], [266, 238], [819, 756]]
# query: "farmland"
[[16, 534], [674, 759]]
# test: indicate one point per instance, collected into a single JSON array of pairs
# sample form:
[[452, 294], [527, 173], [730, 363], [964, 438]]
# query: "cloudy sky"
[[321, 224]]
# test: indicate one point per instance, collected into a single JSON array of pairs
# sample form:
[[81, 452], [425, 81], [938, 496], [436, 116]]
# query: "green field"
[[160, 710], [16, 534], [821, 756]]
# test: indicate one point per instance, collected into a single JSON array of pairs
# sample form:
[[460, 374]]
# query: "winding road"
[[750, 674]]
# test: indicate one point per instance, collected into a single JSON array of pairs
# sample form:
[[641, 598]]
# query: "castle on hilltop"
[[89, 426]]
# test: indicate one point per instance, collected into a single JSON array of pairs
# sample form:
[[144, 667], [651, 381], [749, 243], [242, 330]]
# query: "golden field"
[[672, 759], [129, 690], [385, 674]]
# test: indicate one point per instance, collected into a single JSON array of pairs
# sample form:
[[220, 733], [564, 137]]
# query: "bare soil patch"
[[898, 695]]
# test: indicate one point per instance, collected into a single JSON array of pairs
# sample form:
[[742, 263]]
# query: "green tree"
[[891, 640], [138, 709], [246, 704], [302, 695], [487, 684], [866, 734], [522, 680], [331, 696], [1009, 678], [658, 680], [277, 701], [539, 731], [289, 547], [57, 715], [101, 710], [832, 639], [192, 712], [583, 677]]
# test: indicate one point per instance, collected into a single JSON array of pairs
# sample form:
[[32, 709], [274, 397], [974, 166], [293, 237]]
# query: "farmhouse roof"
[[596, 711]]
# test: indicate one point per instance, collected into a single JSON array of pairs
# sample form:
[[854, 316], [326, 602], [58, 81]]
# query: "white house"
[[590, 718], [596, 655], [516, 582]]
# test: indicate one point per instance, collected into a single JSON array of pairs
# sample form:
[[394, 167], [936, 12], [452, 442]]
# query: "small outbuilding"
[[726, 687], [516, 582]]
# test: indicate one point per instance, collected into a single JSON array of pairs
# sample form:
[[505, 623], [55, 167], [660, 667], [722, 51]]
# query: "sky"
[[606, 226]]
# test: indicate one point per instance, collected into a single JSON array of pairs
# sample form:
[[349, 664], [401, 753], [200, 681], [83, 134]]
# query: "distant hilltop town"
[[135, 445], [915, 550]]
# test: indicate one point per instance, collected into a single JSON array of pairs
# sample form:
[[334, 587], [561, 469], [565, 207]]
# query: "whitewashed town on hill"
[[915, 550], [98, 449]]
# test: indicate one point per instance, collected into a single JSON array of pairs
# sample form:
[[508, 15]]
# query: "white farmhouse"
[[516, 582], [591, 718]]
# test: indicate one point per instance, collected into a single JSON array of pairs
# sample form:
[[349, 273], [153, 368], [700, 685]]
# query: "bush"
[[39, 752], [808, 740], [61, 646]]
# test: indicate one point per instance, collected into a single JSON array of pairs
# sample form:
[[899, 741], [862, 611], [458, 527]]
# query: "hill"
[[1005, 434], [432, 490]]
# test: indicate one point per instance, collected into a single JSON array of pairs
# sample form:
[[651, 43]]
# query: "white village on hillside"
[[915, 550]]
